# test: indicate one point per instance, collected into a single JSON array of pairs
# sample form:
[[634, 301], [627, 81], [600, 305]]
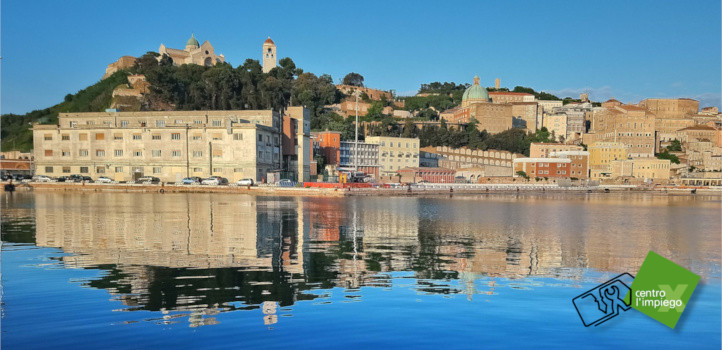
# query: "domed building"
[[194, 53], [476, 104], [474, 94]]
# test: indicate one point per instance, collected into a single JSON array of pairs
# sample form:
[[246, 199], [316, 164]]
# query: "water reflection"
[[192, 256]]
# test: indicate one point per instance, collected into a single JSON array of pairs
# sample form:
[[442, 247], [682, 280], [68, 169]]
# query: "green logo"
[[662, 289]]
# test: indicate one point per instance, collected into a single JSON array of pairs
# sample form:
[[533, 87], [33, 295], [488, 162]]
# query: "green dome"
[[192, 42], [475, 92]]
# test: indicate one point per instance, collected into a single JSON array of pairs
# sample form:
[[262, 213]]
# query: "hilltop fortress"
[[199, 54]]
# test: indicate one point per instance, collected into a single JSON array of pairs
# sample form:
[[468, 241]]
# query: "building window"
[[175, 136], [48, 153], [100, 153], [65, 137], [99, 136], [83, 169], [66, 169], [217, 170], [155, 137], [217, 153], [157, 170], [238, 137], [160, 123], [235, 170], [117, 137], [100, 170], [196, 136], [260, 138], [48, 170], [137, 153], [65, 153], [156, 153], [119, 169], [217, 136], [197, 122], [83, 137], [176, 153], [179, 121], [118, 153], [48, 137], [83, 153], [137, 137], [197, 154], [217, 123], [123, 123], [73, 124], [197, 170]]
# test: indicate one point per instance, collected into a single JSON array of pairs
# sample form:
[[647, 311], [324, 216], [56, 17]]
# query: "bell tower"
[[269, 55]]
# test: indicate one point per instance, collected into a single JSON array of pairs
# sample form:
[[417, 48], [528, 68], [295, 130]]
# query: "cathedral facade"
[[202, 55]]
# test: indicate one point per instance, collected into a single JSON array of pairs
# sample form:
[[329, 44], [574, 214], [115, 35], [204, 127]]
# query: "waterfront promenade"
[[308, 189]]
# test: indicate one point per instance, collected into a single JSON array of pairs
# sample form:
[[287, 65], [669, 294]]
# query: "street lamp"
[[355, 145]]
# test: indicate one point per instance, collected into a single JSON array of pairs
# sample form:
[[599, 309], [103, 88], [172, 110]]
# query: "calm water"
[[218, 271]]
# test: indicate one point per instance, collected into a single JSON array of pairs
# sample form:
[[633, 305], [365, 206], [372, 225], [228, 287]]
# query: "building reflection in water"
[[192, 256]]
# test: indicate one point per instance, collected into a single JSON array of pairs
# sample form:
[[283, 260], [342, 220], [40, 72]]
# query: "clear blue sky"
[[626, 49]]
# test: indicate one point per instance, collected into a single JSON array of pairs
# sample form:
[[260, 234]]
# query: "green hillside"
[[17, 129]]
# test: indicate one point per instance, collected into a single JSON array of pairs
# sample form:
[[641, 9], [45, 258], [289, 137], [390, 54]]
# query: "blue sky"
[[628, 50]]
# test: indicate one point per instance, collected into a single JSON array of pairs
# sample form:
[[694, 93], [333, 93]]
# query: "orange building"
[[543, 167], [328, 144]]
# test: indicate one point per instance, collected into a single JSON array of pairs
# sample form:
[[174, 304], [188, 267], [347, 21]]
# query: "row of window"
[[156, 137], [120, 169], [136, 153], [158, 123]]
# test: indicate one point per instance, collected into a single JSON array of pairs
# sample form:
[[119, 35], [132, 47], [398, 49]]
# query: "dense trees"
[[353, 79], [16, 129], [222, 87]]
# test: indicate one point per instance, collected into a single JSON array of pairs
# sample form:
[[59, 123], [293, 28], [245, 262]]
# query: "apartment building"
[[170, 145]]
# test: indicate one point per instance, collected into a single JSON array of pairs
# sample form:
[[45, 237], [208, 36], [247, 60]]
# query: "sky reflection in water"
[[143, 270]]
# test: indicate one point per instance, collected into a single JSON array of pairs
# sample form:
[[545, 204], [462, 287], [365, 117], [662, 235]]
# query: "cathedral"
[[202, 55]]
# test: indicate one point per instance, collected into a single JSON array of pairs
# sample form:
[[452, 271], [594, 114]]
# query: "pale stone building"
[[169, 145], [544, 150], [488, 163], [396, 153], [628, 124], [601, 156], [202, 55], [647, 169]]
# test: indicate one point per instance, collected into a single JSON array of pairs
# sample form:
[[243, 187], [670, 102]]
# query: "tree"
[[522, 174], [410, 130], [666, 155], [675, 146], [353, 79]]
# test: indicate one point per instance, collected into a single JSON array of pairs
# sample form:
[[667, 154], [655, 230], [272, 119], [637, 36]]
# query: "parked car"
[[42, 178], [104, 180], [75, 178], [285, 183], [62, 179], [195, 180], [245, 182], [148, 180], [87, 179], [215, 181]]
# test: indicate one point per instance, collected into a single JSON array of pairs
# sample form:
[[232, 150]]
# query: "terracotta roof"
[[269, 41], [509, 93], [631, 107], [698, 127], [612, 100]]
